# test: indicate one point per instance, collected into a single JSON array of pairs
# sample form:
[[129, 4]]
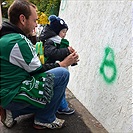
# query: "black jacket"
[[8, 28], [52, 50]]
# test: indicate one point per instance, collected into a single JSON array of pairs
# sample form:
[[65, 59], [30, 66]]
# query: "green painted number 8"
[[110, 64]]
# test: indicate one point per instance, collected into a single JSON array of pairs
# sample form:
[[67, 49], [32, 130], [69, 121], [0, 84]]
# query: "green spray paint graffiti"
[[109, 64], [63, 5]]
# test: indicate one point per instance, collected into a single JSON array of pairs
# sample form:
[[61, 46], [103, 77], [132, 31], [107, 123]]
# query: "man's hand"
[[69, 60]]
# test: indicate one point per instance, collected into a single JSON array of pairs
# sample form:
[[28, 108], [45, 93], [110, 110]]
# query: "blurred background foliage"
[[45, 8]]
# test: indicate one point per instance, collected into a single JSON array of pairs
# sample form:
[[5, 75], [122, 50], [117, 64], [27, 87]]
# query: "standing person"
[[56, 49], [25, 84]]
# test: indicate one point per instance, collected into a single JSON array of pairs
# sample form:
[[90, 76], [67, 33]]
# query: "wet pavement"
[[80, 122]]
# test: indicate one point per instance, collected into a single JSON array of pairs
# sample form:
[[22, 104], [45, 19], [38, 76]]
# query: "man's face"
[[30, 23]]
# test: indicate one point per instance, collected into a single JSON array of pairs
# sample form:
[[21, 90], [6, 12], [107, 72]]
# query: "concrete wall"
[[100, 31]]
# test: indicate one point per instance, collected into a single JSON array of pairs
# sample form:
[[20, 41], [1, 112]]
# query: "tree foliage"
[[5, 7], [47, 7]]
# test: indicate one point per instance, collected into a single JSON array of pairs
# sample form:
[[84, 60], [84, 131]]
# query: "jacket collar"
[[8, 28], [47, 33]]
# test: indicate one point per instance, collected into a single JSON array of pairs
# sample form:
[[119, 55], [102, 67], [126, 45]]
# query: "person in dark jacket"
[[19, 63], [56, 48]]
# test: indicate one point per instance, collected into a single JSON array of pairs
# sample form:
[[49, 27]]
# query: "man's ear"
[[22, 19]]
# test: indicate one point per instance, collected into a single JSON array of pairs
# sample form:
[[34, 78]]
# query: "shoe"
[[58, 123], [67, 111], [6, 118]]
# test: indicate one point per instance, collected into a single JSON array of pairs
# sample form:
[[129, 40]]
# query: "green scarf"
[[37, 90], [64, 43]]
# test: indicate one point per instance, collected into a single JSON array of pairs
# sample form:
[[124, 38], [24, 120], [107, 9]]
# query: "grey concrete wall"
[[100, 31]]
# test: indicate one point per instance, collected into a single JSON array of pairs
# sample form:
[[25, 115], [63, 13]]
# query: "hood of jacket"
[[8, 28], [47, 33]]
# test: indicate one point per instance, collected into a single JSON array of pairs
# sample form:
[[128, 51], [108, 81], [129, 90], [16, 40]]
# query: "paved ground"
[[81, 122]]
